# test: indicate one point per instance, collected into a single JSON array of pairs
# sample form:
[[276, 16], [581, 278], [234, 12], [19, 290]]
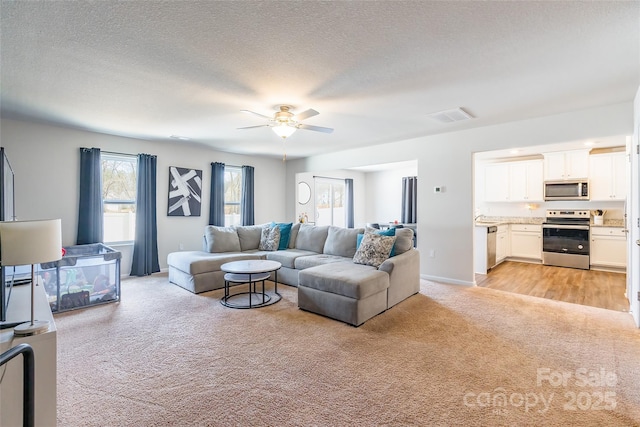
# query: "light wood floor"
[[587, 287]]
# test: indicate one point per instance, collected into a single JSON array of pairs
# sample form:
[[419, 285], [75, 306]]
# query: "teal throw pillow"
[[285, 234]]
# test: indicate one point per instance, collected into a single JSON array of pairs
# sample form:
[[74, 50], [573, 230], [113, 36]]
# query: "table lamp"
[[29, 243]]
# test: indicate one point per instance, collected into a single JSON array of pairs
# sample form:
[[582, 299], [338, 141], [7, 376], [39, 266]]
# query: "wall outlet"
[[432, 253], [181, 247]]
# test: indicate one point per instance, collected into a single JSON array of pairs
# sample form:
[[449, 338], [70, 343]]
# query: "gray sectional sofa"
[[318, 260]]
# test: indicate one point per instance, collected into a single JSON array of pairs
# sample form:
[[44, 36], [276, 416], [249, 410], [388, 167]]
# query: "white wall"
[[445, 219], [384, 194], [46, 162]]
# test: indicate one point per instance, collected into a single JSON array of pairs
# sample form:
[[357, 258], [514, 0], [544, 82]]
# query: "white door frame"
[[633, 216]]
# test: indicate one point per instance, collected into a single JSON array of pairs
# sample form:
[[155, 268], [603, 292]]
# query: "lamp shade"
[[284, 130], [30, 242]]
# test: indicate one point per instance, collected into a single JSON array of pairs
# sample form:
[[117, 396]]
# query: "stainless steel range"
[[565, 238]]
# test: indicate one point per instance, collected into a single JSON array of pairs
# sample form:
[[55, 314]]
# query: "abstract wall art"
[[185, 191]]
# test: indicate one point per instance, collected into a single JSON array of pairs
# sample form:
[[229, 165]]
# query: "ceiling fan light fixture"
[[283, 130]]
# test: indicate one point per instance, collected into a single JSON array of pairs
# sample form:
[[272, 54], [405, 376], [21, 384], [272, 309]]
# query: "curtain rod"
[[117, 154], [231, 166], [328, 177]]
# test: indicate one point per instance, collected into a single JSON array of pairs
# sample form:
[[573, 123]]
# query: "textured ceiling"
[[374, 70]]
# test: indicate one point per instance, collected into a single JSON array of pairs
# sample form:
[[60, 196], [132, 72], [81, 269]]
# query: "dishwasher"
[[492, 233]]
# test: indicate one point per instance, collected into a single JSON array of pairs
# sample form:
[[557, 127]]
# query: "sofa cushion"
[[287, 258], [346, 279], [312, 237], [294, 235], [270, 238], [404, 240], [314, 260], [285, 233], [221, 239], [197, 262], [374, 249], [249, 236], [341, 241]]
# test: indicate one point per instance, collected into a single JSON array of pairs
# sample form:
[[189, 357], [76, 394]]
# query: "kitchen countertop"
[[488, 221], [610, 223]]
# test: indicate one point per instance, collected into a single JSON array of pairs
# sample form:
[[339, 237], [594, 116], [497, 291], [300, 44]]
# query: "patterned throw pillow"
[[388, 232], [374, 249], [270, 238]]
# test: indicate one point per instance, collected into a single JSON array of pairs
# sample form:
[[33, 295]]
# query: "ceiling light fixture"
[[283, 130]]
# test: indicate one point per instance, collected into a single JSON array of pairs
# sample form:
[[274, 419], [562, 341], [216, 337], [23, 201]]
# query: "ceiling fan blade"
[[251, 127], [257, 114], [306, 114], [315, 128]]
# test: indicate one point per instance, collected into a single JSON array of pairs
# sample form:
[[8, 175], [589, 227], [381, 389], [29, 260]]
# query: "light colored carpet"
[[164, 357]]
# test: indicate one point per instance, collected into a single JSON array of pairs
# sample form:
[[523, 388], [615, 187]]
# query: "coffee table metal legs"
[[251, 279]]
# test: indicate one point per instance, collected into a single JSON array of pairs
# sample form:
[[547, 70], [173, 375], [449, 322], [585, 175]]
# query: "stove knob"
[[580, 247]]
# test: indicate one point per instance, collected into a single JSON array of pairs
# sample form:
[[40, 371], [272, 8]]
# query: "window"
[[330, 195], [119, 173], [232, 195]]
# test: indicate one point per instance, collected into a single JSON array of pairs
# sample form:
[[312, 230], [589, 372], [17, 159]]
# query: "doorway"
[[604, 289]]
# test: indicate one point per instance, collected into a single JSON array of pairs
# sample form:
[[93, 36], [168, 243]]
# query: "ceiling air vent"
[[448, 116]]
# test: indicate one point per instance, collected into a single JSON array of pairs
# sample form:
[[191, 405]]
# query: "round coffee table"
[[250, 272]]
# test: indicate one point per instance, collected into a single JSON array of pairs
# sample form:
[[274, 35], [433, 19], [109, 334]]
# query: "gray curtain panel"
[[90, 219], [216, 201], [348, 188], [145, 247], [409, 199], [246, 203]]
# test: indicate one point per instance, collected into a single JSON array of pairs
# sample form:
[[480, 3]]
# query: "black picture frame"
[[185, 191]]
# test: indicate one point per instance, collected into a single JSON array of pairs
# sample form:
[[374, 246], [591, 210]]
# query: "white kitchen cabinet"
[[566, 165], [608, 176], [526, 241], [525, 181], [519, 181], [502, 242], [608, 247], [496, 182]]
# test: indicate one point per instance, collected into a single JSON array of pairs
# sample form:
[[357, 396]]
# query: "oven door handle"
[[566, 227]]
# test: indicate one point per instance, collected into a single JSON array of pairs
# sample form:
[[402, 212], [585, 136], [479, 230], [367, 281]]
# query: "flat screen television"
[[7, 213]]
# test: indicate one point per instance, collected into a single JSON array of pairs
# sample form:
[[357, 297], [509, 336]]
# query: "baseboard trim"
[[447, 280]]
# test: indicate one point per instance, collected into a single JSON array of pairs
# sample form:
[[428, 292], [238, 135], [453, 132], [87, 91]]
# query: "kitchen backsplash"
[[615, 210], [614, 222]]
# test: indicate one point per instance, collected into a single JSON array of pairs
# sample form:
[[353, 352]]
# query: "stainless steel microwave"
[[566, 190]]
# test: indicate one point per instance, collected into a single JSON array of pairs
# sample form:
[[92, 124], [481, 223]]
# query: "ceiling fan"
[[284, 123]]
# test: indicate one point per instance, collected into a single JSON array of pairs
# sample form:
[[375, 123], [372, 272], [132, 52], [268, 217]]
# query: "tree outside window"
[[119, 181], [232, 195]]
